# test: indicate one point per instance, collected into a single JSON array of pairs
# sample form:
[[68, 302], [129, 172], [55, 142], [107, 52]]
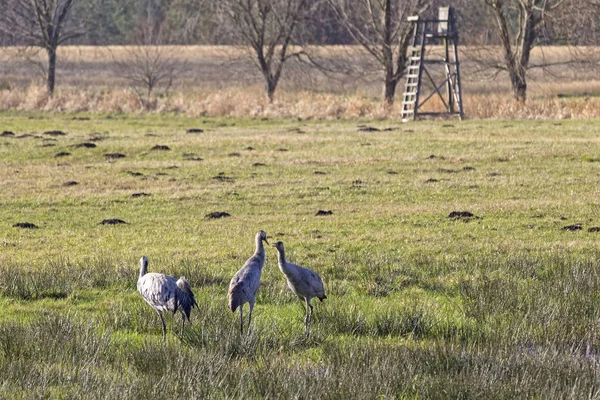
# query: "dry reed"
[[251, 102]]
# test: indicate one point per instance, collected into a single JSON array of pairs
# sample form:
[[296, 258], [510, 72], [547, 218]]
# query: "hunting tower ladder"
[[428, 33]]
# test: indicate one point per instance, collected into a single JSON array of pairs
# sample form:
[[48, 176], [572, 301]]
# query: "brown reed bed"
[[251, 102]]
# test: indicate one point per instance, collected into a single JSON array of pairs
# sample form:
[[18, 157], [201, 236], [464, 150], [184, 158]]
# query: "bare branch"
[[381, 28], [268, 26]]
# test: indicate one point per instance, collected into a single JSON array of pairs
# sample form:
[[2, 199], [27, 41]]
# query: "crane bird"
[[245, 282], [164, 293], [304, 282]]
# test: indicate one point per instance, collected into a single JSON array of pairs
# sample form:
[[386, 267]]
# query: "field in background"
[[222, 81], [501, 304]]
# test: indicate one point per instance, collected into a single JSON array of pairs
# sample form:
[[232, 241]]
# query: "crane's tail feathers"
[[234, 301], [187, 301], [321, 298], [184, 285], [233, 304]]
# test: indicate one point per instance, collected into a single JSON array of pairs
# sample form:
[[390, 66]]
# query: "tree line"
[[279, 30]]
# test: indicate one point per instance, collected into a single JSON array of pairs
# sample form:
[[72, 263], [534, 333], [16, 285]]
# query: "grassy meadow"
[[501, 304]]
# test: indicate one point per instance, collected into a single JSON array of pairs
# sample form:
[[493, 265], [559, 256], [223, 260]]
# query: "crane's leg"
[[241, 320], [250, 315], [182, 324], [164, 326], [308, 315]]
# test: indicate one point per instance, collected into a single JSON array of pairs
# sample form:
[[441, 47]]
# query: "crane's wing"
[[315, 283], [159, 290], [185, 296], [243, 287]]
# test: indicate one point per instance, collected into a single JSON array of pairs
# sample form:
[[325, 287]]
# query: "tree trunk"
[[50, 78], [518, 81], [388, 55], [519, 86], [271, 86], [390, 89], [517, 61]]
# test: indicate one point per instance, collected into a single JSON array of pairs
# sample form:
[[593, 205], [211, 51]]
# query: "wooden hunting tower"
[[441, 31]]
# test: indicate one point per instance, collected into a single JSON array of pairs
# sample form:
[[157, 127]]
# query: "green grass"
[[419, 305]]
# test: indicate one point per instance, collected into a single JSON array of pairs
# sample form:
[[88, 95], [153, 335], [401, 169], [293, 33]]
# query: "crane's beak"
[[266, 241]]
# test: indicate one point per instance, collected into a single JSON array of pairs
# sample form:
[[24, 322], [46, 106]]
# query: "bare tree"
[[149, 64], [521, 26], [41, 23], [147, 67], [381, 27], [268, 27]]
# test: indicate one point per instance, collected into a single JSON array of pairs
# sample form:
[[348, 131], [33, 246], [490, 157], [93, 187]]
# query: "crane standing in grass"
[[245, 282], [164, 293], [304, 282]]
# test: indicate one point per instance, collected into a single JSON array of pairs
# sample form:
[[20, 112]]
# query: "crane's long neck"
[[143, 266], [260, 250], [281, 257], [283, 265]]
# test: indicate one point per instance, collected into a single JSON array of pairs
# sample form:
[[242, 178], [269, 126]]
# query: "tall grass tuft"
[[58, 278]]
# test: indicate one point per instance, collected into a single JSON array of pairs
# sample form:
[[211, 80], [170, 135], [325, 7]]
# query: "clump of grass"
[[59, 278], [537, 300], [590, 159]]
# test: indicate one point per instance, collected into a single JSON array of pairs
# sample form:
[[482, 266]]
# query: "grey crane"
[[304, 282], [245, 282], [165, 293]]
